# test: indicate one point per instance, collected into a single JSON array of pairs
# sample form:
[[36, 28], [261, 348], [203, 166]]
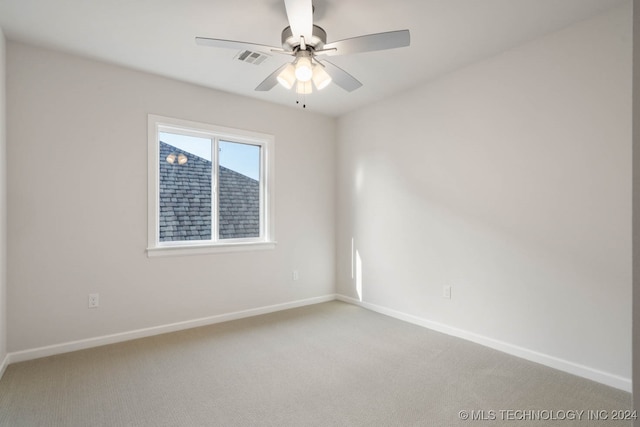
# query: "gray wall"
[[77, 150], [509, 180]]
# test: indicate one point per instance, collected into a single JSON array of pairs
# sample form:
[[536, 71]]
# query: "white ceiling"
[[158, 36]]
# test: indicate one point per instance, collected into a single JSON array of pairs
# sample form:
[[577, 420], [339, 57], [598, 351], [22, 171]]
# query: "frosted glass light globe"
[[303, 70]]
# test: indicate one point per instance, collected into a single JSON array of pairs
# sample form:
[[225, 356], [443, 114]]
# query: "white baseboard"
[[534, 356], [3, 365], [544, 359], [36, 353]]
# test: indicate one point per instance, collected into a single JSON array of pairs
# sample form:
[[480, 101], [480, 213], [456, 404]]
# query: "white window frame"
[[266, 240]]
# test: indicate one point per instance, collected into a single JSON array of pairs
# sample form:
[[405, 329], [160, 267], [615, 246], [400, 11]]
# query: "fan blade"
[[271, 81], [300, 15], [340, 77], [368, 43], [234, 44]]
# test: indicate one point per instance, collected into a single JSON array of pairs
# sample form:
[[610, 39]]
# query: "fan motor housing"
[[318, 39]]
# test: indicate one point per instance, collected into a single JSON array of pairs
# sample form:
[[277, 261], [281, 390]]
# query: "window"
[[209, 188]]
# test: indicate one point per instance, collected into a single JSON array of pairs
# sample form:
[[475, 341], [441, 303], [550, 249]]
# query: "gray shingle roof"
[[185, 200], [239, 205]]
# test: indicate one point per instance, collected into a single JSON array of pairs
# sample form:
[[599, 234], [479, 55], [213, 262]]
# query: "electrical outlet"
[[446, 292], [94, 300], [295, 275]]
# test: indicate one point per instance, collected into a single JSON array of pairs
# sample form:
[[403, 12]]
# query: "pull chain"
[[304, 102]]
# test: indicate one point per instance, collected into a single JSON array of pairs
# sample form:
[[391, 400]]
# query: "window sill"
[[159, 251]]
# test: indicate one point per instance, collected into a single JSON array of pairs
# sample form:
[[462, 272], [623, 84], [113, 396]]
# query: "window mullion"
[[215, 190]]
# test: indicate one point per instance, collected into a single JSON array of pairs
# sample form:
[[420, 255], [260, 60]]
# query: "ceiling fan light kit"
[[287, 77], [307, 43], [321, 78], [303, 88], [303, 69]]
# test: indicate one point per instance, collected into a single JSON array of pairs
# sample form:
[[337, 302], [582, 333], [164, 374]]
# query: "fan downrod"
[[291, 43]]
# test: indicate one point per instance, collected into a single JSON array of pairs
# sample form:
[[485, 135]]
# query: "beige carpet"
[[331, 364]]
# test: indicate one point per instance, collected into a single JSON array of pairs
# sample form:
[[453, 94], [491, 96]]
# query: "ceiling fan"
[[307, 43]]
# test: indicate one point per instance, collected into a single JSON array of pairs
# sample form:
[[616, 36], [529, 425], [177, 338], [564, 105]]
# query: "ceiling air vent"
[[251, 57]]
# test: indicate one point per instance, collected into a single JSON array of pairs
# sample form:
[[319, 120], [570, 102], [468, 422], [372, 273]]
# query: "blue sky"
[[242, 158]]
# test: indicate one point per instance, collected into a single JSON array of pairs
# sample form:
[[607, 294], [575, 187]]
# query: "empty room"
[[327, 213]]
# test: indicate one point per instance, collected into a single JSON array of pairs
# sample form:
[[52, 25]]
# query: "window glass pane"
[[239, 190], [185, 188]]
